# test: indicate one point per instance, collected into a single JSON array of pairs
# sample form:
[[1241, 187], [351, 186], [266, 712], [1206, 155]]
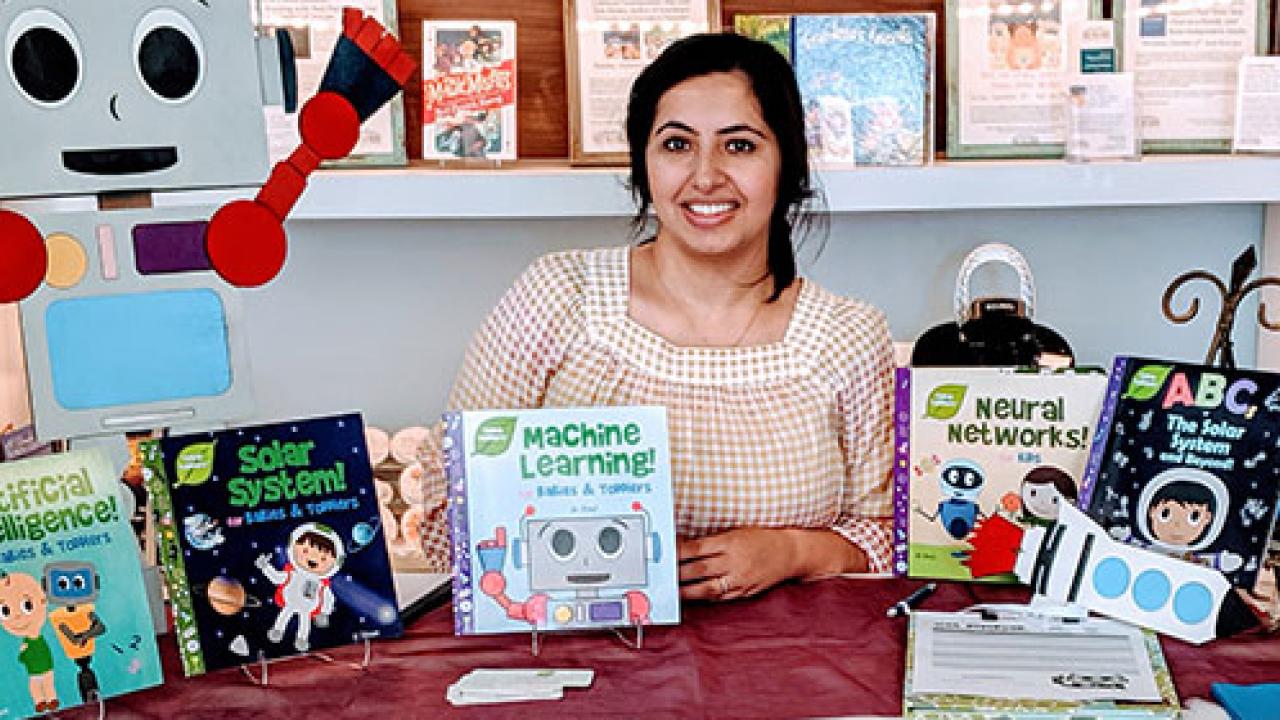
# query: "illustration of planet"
[[363, 533], [227, 596]]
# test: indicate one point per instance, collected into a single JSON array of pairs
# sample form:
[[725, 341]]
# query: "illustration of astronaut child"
[[961, 483], [23, 610], [1180, 512], [583, 572], [73, 589], [303, 587]]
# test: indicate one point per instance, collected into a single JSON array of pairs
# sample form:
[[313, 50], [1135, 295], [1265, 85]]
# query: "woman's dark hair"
[[774, 86]]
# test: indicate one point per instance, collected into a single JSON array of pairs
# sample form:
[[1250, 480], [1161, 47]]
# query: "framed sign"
[[607, 44], [314, 27], [1186, 57], [1007, 67]]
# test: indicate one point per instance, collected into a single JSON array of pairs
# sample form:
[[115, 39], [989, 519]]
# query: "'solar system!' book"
[[976, 442], [561, 519], [75, 624], [271, 540], [1185, 462]]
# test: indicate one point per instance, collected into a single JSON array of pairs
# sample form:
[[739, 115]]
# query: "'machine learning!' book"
[[75, 624], [975, 442], [1185, 462], [561, 519], [272, 540]]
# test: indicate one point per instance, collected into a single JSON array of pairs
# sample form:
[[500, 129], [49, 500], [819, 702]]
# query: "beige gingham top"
[[795, 433]]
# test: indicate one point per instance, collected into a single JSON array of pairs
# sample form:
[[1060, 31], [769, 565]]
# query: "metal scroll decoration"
[[1221, 351]]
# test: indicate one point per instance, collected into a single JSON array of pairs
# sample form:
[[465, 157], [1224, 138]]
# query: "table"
[[811, 650]]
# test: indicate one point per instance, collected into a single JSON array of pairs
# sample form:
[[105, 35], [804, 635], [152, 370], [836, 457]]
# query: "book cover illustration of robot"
[[976, 442], [75, 621], [271, 540], [561, 519], [1185, 462]]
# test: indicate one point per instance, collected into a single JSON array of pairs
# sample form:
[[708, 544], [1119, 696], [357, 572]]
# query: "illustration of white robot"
[[127, 124], [583, 571], [72, 588], [303, 587], [961, 483]]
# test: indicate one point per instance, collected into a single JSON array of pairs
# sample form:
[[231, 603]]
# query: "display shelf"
[[532, 189]]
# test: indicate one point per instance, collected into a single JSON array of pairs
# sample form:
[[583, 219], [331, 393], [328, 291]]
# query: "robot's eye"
[[562, 543], [610, 542], [78, 582], [169, 54], [64, 583], [44, 57]]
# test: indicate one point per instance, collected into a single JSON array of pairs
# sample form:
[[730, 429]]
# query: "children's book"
[[976, 442], [561, 519], [271, 540], [866, 81], [73, 606], [469, 89], [1185, 462]]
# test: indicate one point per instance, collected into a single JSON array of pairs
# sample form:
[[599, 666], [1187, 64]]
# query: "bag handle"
[[994, 253]]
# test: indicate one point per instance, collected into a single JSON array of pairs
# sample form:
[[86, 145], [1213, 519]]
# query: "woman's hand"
[[745, 561]]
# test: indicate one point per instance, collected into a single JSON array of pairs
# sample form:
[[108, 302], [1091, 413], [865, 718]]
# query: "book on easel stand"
[[271, 541]]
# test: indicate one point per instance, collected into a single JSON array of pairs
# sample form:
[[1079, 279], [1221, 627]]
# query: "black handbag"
[[993, 330]]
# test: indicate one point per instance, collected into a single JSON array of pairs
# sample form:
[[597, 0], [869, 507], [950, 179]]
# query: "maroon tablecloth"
[[820, 649]]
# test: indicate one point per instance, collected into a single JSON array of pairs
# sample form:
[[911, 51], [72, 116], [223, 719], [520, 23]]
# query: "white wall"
[[374, 316]]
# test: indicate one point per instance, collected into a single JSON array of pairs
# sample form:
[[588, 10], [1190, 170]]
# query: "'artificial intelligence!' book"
[[272, 540], [75, 624], [561, 519], [1185, 462]]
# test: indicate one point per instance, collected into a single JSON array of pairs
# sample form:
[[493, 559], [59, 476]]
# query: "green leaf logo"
[[194, 464], [945, 401], [1147, 381], [493, 437]]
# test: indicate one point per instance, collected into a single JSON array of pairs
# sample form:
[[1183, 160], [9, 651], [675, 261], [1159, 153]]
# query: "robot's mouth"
[[588, 578], [119, 161]]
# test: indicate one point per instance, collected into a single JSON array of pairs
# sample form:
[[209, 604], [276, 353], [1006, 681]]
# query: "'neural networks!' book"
[[561, 519], [271, 539], [75, 624]]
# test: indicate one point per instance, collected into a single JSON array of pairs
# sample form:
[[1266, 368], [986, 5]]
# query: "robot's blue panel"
[[115, 350]]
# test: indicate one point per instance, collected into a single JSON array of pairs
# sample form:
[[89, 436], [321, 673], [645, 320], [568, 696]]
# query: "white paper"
[[315, 26], [1012, 70], [1101, 119], [1185, 55], [616, 39], [958, 653], [1258, 105]]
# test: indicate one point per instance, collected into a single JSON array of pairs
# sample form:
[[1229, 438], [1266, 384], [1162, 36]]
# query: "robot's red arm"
[[23, 259], [245, 239]]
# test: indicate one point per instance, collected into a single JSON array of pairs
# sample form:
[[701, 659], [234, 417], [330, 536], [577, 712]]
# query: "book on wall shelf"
[[468, 90], [866, 82], [561, 519], [1184, 462], [971, 443], [75, 621], [270, 540]]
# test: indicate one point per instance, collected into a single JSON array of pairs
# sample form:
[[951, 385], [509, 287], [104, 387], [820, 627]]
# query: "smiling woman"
[[777, 391]]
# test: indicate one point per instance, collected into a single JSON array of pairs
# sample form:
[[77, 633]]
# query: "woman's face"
[[713, 166]]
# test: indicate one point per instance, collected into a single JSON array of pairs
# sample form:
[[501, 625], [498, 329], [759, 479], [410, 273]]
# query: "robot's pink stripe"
[[107, 252]]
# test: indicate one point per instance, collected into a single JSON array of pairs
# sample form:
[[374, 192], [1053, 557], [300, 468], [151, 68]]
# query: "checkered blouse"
[[795, 433]]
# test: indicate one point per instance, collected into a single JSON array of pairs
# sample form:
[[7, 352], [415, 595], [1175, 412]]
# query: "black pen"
[[903, 606]]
